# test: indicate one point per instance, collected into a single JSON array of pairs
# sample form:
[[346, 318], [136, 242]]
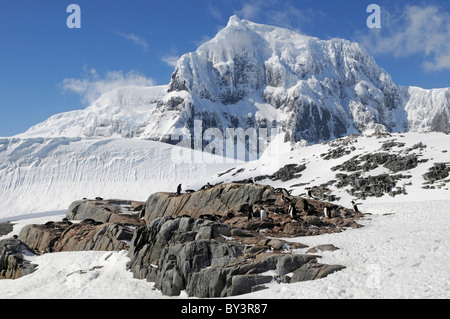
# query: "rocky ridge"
[[174, 241]]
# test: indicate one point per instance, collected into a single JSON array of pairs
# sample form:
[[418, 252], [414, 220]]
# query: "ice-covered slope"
[[428, 110], [44, 174], [116, 113]]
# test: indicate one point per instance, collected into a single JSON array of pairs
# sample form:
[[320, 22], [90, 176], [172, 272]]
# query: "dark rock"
[[106, 211], [58, 237], [217, 200], [284, 174], [437, 172], [314, 271], [6, 228], [242, 284], [13, 264], [289, 263], [326, 247], [206, 265]]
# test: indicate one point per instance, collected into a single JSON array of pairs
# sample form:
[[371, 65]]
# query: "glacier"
[[48, 174]]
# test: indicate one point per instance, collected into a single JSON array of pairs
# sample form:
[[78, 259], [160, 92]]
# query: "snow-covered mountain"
[[258, 76], [253, 75], [116, 113], [248, 76]]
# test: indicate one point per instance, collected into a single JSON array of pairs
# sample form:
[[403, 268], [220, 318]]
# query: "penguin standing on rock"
[[327, 212], [355, 206], [292, 210], [250, 212], [263, 214], [306, 206], [179, 189]]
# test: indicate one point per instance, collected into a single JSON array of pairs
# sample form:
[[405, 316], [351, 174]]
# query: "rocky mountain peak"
[[253, 76]]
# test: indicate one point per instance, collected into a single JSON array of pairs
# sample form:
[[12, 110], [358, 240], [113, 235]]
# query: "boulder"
[[326, 247], [62, 236], [313, 271], [6, 228], [229, 204], [437, 172], [13, 264], [106, 211], [193, 255]]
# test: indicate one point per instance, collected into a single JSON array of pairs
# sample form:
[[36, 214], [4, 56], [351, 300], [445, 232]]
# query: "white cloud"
[[92, 85], [214, 11], [250, 10], [137, 40], [170, 60], [276, 12], [418, 30]]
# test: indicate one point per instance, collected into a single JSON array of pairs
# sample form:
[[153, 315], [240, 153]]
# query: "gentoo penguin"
[[250, 212], [355, 206], [285, 199], [305, 205], [179, 189], [292, 210], [326, 212], [308, 192], [263, 214]]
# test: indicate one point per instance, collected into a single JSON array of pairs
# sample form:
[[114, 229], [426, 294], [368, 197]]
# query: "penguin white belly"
[[263, 214]]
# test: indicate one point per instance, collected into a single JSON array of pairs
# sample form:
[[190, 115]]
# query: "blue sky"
[[47, 68]]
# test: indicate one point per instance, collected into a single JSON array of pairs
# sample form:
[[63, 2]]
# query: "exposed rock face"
[[62, 236], [13, 264], [106, 211], [438, 172], [285, 173], [203, 243], [211, 201], [202, 258], [5, 228], [230, 204]]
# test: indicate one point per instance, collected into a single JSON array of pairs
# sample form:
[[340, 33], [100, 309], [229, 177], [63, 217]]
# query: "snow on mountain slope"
[[253, 75], [45, 174], [401, 252], [116, 113], [324, 163], [428, 110]]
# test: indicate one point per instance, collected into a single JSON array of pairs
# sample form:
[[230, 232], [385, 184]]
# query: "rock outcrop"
[[106, 211], [13, 264], [215, 200], [230, 203], [223, 240], [86, 235], [206, 260], [439, 171]]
